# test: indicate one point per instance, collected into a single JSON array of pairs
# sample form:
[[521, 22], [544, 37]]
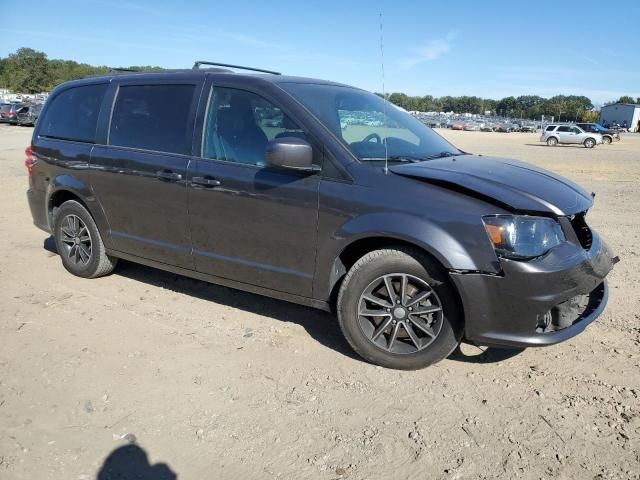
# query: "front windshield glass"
[[370, 127]]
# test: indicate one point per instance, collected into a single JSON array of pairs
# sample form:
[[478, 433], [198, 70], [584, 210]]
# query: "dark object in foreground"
[[319, 194]]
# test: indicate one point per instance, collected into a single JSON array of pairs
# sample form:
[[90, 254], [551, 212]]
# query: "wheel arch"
[[66, 187]]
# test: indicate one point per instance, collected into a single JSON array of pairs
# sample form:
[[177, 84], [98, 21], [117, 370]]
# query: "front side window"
[[239, 125], [576, 130], [370, 127], [73, 114], [153, 117]]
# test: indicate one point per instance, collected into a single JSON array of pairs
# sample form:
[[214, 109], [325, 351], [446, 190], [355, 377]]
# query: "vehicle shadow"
[[564, 145], [321, 326], [131, 462], [484, 355]]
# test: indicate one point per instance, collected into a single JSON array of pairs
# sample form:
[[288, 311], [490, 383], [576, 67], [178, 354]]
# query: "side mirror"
[[290, 152]]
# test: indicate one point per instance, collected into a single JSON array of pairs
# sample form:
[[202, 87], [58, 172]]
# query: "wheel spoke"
[[390, 290], [67, 231], [418, 322], [392, 337], [72, 253], [86, 238], [419, 298], [381, 328], [77, 255], [376, 300], [412, 335], [84, 253], [374, 313], [426, 310], [403, 288]]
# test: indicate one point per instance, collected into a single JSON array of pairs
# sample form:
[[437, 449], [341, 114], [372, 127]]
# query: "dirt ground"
[[207, 382]]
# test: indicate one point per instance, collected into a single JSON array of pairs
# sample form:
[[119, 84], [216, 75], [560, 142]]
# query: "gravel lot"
[[216, 383]]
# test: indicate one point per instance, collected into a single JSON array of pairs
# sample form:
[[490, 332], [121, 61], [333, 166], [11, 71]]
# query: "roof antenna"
[[384, 97]]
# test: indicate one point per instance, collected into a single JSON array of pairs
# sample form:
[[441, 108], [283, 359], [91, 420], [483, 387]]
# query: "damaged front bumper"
[[540, 302]]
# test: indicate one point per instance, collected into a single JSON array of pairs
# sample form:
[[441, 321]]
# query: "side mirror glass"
[[290, 152]]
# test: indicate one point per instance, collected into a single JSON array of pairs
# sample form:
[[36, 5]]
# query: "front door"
[[249, 222], [139, 178]]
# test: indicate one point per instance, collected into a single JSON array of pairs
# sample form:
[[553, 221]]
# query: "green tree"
[[625, 99], [27, 71]]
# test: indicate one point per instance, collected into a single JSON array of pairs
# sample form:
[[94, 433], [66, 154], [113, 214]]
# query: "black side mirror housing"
[[290, 152]]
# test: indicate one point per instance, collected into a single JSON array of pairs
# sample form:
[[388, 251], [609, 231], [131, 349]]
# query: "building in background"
[[623, 114]]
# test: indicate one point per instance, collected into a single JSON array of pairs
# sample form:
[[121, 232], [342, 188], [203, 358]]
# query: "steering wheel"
[[371, 136]]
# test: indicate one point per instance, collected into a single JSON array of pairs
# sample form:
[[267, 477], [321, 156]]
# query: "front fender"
[[459, 246], [412, 229]]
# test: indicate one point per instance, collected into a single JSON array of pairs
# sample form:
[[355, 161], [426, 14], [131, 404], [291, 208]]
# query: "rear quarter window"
[[153, 117], [550, 128], [73, 114]]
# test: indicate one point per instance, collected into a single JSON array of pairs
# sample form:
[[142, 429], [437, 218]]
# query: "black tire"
[[552, 141], [416, 265], [589, 142], [97, 263], [606, 140]]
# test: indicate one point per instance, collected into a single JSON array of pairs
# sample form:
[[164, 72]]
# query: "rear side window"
[[73, 114], [550, 128], [153, 117]]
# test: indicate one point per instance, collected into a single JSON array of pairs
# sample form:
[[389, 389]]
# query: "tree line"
[[562, 107], [30, 71]]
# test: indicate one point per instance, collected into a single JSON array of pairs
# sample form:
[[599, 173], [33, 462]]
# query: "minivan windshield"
[[370, 127]]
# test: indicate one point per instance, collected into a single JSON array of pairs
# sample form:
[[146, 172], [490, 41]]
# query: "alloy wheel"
[[76, 240], [400, 313]]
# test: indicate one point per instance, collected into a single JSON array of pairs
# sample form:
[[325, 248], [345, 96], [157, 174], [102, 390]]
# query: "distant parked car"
[[505, 127], [9, 112], [28, 116], [472, 127], [569, 134], [457, 126], [608, 135], [528, 128]]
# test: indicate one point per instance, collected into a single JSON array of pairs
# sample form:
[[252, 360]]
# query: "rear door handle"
[[168, 175], [205, 181]]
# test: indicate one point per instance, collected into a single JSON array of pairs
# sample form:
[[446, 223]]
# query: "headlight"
[[522, 237]]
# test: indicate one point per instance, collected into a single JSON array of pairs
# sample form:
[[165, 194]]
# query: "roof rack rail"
[[124, 69], [197, 64]]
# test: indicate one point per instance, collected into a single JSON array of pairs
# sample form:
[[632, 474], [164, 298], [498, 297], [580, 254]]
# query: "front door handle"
[[205, 181], [168, 175]]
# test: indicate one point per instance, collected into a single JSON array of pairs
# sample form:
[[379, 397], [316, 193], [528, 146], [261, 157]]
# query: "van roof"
[[200, 72]]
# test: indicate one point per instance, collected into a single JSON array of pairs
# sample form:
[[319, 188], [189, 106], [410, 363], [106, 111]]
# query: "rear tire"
[[552, 141], [79, 243], [387, 334], [589, 143]]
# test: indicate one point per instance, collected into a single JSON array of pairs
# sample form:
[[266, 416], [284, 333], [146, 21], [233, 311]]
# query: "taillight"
[[28, 162]]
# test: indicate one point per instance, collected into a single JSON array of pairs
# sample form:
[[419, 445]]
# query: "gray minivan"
[[320, 194]]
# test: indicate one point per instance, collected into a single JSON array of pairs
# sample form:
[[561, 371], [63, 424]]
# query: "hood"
[[510, 183]]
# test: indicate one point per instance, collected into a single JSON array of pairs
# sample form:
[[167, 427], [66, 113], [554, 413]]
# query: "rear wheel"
[[397, 309], [79, 243], [589, 143], [552, 141]]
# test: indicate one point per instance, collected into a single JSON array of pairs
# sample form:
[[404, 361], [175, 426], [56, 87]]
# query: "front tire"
[[397, 309], [589, 143], [606, 140], [79, 243]]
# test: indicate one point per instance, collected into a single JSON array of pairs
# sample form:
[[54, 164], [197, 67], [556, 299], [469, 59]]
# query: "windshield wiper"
[[393, 158]]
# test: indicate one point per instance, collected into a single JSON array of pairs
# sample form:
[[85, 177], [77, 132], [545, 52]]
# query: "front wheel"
[[606, 140], [79, 243], [397, 309], [589, 143]]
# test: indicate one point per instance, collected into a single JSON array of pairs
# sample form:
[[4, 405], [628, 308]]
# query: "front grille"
[[583, 232]]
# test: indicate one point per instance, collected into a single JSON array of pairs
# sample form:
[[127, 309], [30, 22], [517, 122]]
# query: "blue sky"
[[489, 49]]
